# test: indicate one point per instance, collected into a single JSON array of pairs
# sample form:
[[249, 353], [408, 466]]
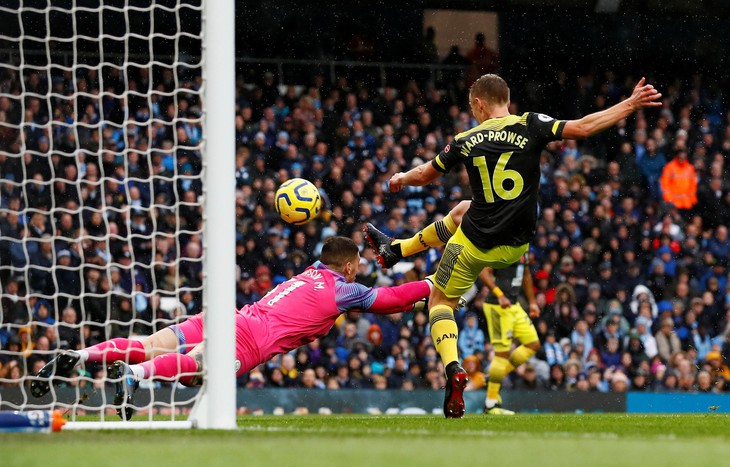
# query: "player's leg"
[[456, 274], [525, 332], [182, 336], [500, 327], [171, 366], [185, 366], [436, 234]]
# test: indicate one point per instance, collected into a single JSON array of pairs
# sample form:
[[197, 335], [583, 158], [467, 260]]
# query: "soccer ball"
[[297, 201]]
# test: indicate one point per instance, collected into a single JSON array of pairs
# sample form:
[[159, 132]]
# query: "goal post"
[[219, 399], [117, 197]]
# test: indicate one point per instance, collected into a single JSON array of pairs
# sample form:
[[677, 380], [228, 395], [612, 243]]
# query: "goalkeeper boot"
[[456, 379], [381, 244], [61, 366], [126, 385]]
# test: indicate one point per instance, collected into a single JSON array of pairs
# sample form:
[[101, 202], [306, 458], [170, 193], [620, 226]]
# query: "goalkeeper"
[[294, 313]]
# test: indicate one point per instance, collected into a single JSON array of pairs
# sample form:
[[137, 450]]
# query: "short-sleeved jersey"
[[509, 281], [502, 158]]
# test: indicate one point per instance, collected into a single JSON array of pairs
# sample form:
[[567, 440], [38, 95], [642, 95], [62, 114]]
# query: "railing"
[[287, 70]]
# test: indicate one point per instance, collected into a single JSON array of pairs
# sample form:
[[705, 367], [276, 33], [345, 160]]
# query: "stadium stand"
[[633, 290]]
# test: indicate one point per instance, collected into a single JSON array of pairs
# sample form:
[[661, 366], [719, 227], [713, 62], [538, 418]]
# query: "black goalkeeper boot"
[[62, 366]]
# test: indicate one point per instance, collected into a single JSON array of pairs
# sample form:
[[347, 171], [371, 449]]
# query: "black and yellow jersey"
[[502, 157], [509, 281]]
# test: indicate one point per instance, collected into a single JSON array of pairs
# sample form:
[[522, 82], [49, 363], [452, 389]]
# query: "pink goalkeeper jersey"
[[298, 311]]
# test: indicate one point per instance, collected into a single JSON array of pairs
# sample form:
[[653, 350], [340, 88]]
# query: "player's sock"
[[129, 350], [435, 234], [497, 371], [167, 367], [444, 333], [519, 356]]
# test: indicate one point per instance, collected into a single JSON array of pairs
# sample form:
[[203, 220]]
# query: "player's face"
[[351, 268]]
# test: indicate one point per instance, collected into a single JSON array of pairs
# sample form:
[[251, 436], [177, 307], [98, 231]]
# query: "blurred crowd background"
[[101, 219]]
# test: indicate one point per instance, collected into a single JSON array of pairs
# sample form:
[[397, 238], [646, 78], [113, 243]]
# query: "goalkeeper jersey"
[[300, 310]]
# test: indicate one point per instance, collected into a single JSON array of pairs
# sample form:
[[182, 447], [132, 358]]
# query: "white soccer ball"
[[298, 201]]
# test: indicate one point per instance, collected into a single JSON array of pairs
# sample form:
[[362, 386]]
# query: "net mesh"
[[100, 183]]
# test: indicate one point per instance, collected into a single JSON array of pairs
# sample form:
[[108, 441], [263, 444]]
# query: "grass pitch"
[[353, 440]]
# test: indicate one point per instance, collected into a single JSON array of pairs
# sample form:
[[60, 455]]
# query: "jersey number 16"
[[501, 174]]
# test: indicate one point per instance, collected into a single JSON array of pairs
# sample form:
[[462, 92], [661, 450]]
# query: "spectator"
[[471, 338], [679, 182]]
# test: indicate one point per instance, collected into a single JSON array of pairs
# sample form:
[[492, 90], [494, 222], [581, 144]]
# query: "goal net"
[[105, 132]]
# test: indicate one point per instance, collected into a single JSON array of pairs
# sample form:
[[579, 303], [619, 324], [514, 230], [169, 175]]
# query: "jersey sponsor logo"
[[295, 285], [544, 118], [442, 338]]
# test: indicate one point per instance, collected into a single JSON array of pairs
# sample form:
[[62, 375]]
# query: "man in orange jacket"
[[679, 182]]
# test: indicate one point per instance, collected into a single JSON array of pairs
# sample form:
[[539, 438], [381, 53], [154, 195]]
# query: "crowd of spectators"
[[101, 225]]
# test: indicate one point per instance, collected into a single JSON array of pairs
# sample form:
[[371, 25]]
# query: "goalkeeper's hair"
[[337, 251]]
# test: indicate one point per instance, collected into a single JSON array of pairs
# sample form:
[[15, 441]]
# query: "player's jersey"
[[502, 158], [509, 281], [300, 310]]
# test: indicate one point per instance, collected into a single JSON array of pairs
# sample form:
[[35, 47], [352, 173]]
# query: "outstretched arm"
[[399, 298], [644, 95], [417, 176]]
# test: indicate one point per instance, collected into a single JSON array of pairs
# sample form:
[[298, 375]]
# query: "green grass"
[[544, 440]]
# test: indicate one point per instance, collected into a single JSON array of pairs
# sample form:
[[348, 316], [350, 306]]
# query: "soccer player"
[[292, 314], [506, 320], [501, 155]]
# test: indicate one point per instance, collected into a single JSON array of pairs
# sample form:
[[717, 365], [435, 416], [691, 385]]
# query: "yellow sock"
[[435, 234], [519, 356], [444, 332], [497, 371]]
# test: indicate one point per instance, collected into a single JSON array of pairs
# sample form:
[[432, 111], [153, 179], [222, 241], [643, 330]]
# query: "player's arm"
[[644, 95], [417, 176], [487, 276], [381, 300], [529, 290], [429, 171]]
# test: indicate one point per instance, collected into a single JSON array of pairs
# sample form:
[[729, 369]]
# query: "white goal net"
[[102, 185]]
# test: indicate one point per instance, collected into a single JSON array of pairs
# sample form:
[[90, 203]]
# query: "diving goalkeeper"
[[294, 313]]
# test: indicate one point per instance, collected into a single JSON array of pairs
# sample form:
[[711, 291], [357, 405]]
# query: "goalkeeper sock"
[[131, 351], [444, 333], [519, 356], [435, 234], [497, 371], [167, 367]]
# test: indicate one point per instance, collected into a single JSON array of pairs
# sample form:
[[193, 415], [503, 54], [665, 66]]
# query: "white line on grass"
[[422, 432]]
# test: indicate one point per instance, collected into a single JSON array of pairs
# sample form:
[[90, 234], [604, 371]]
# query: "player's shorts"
[[506, 324], [190, 333], [462, 262]]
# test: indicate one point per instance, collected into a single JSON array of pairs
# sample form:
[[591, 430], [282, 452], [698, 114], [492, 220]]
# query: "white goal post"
[[117, 197]]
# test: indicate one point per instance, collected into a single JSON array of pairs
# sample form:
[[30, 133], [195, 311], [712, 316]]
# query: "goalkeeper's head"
[[341, 254]]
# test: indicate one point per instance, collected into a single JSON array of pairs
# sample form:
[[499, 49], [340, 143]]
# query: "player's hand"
[[396, 182], [534, 310], [644, 95], [504, 302]]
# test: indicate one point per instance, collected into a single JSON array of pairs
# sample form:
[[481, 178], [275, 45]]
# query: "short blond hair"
[[490, 88]]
